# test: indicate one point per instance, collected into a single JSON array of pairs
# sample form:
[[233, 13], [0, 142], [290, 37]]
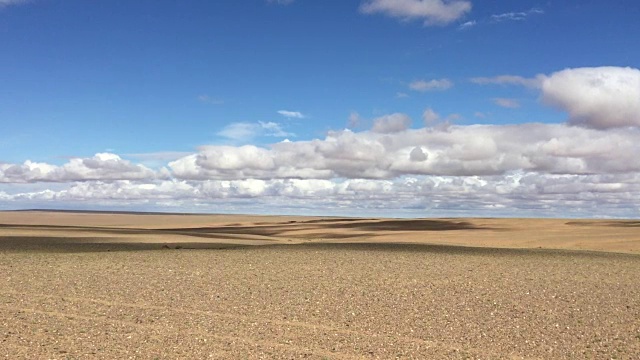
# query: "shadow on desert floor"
[[618, 223], [26, 244], [329, 228]]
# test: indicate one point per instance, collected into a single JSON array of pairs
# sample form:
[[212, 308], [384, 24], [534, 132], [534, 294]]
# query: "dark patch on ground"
[[616, 223]]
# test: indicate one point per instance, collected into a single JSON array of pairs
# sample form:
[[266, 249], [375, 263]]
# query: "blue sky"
[[118, 96]]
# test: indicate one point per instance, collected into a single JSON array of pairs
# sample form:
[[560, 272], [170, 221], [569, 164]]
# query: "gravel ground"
[[320, 301]]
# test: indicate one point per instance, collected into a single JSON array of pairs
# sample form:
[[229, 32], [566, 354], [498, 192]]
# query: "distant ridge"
[[114, 212]]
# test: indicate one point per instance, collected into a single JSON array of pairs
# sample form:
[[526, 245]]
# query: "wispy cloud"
[[468, 25], [502, 17], [5, 3], [431, 85], [292, 114], [355, 120], [245, 131], [516, 16], [509, 80], [210, 100], [432, 12], [507, 103], [280, 2]]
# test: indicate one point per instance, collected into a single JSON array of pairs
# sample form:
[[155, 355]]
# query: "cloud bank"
[[536, 169], [587, 166]]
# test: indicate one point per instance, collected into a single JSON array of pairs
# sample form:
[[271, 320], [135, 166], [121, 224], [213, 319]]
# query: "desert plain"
[[88, 285]]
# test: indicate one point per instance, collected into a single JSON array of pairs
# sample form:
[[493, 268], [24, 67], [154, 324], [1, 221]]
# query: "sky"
[[399, 108]]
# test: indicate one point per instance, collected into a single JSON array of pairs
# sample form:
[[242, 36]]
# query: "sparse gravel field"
[[318, 301]]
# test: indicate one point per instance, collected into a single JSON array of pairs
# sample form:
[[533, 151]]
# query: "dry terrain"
[[97, 285]]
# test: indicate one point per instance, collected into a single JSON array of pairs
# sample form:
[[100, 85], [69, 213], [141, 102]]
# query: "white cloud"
[[507, 103], [210, 100], [520, 193], [291, 114], [433, 119], [401, 95], [523, 169], [538, 169], [509, 80], [600, 97], [391, 123], [597, 97], [385, 152], [103, 166], [467, 25], [5, 3], [431, 85], [240, 131], [245, 131], [355, 120], [516, 16], [417, 154], [280, 2], [430, 117], [432, 12], [162, 156], [503, 17]]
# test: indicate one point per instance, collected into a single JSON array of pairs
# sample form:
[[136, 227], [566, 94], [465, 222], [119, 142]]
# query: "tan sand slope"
[[38, 229]]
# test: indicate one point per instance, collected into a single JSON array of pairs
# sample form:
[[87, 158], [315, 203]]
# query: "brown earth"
[[92, 285]]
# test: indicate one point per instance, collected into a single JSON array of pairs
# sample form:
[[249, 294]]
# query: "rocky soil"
[[319, 301]]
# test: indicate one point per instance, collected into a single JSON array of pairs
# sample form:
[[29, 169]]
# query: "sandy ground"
[[148, 286]]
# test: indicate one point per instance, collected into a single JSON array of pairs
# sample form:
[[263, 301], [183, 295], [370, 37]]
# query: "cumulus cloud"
[[523, 193], [599, 97], [291, 114], [507, 103], [432, 12], [102, 166], [417, 154], [430, 117], [391, 123], [431, 85], [538, 169], [389, 152]]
